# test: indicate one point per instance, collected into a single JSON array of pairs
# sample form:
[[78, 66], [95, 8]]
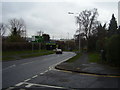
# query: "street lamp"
[[79, 27], [68, 40]]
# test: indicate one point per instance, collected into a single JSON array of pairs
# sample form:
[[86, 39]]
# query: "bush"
[[92, 43], [113, 49], [16, 46], [100, 44]]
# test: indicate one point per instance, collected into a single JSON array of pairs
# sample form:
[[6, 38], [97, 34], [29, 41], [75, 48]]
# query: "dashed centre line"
[[46, 71], [35, 76], [19, 84], [10, 67], [26, 63], [27, 80], [41, 73]]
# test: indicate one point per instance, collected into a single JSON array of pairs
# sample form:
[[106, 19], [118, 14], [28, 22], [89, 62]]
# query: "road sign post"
[[37, 39]]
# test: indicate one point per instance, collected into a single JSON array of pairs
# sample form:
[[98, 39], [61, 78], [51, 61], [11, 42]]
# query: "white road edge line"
[[26, 63], [35, 76], [52, 66], [19, 84], [27, 80], [9, 67]]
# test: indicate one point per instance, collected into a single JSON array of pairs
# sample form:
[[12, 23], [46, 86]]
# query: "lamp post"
[[78, 29], [68, 40], [79, 35]]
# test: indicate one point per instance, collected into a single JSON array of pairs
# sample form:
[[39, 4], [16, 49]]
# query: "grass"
[[8, 58], [37, 54], [74, 58], [21, 52], [15, 55], [94, 57]]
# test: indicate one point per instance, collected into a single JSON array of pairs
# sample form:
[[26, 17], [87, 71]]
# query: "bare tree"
[[3, 28], [18, 26], [87, 21], [40, 33]]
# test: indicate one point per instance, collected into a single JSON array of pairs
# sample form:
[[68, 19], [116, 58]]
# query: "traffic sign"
[[37, 39]]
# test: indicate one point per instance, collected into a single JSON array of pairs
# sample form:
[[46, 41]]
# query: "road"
[[14, 72], [39, 72]]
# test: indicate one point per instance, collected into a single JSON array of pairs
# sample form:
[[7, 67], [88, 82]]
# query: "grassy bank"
[[15, 55], [74, 58], [37, 54], [94, 57]]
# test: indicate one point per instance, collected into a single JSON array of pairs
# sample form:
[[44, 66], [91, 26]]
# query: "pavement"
[[82, 65]]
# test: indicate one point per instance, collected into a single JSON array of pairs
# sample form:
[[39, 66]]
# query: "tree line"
[[17, 38], [96, 37]]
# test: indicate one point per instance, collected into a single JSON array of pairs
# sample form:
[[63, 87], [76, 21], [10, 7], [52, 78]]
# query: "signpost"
[[37, 39]]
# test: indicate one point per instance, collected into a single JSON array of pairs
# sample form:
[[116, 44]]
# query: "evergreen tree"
[[101, 35], [112, 26], [119, 30], [101, 31]]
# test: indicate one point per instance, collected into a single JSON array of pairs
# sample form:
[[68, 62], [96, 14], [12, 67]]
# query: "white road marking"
[[52, 67], [27, 80], [26, 63], [10, 88], [45, 71], [35, 76], [41, 73], [10, 67], [31, 84], [19, 84]]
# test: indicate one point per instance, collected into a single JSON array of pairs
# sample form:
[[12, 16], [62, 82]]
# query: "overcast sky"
[[52, 17]]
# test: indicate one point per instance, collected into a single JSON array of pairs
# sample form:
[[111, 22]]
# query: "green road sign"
[[37, 39]]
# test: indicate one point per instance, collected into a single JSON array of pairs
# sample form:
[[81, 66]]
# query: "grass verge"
[[74, 58], [94, 57], [7, 58], [37, 54], [15, 55], [6, 53]]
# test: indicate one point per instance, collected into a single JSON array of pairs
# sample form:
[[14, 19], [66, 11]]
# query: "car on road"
[[58, 51]]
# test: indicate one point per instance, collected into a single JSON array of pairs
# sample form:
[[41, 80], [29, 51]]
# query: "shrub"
[[113, 49]]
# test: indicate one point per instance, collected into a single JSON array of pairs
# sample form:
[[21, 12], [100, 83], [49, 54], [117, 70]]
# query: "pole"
[[32, 46], [79, 29], [39, 47], [79, 35], [68, 41]]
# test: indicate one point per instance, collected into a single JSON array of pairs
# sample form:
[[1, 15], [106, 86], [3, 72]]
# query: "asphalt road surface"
[[14, 72], [39, 72]]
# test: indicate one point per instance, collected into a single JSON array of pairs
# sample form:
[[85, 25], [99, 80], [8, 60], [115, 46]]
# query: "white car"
[[58, 51]]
